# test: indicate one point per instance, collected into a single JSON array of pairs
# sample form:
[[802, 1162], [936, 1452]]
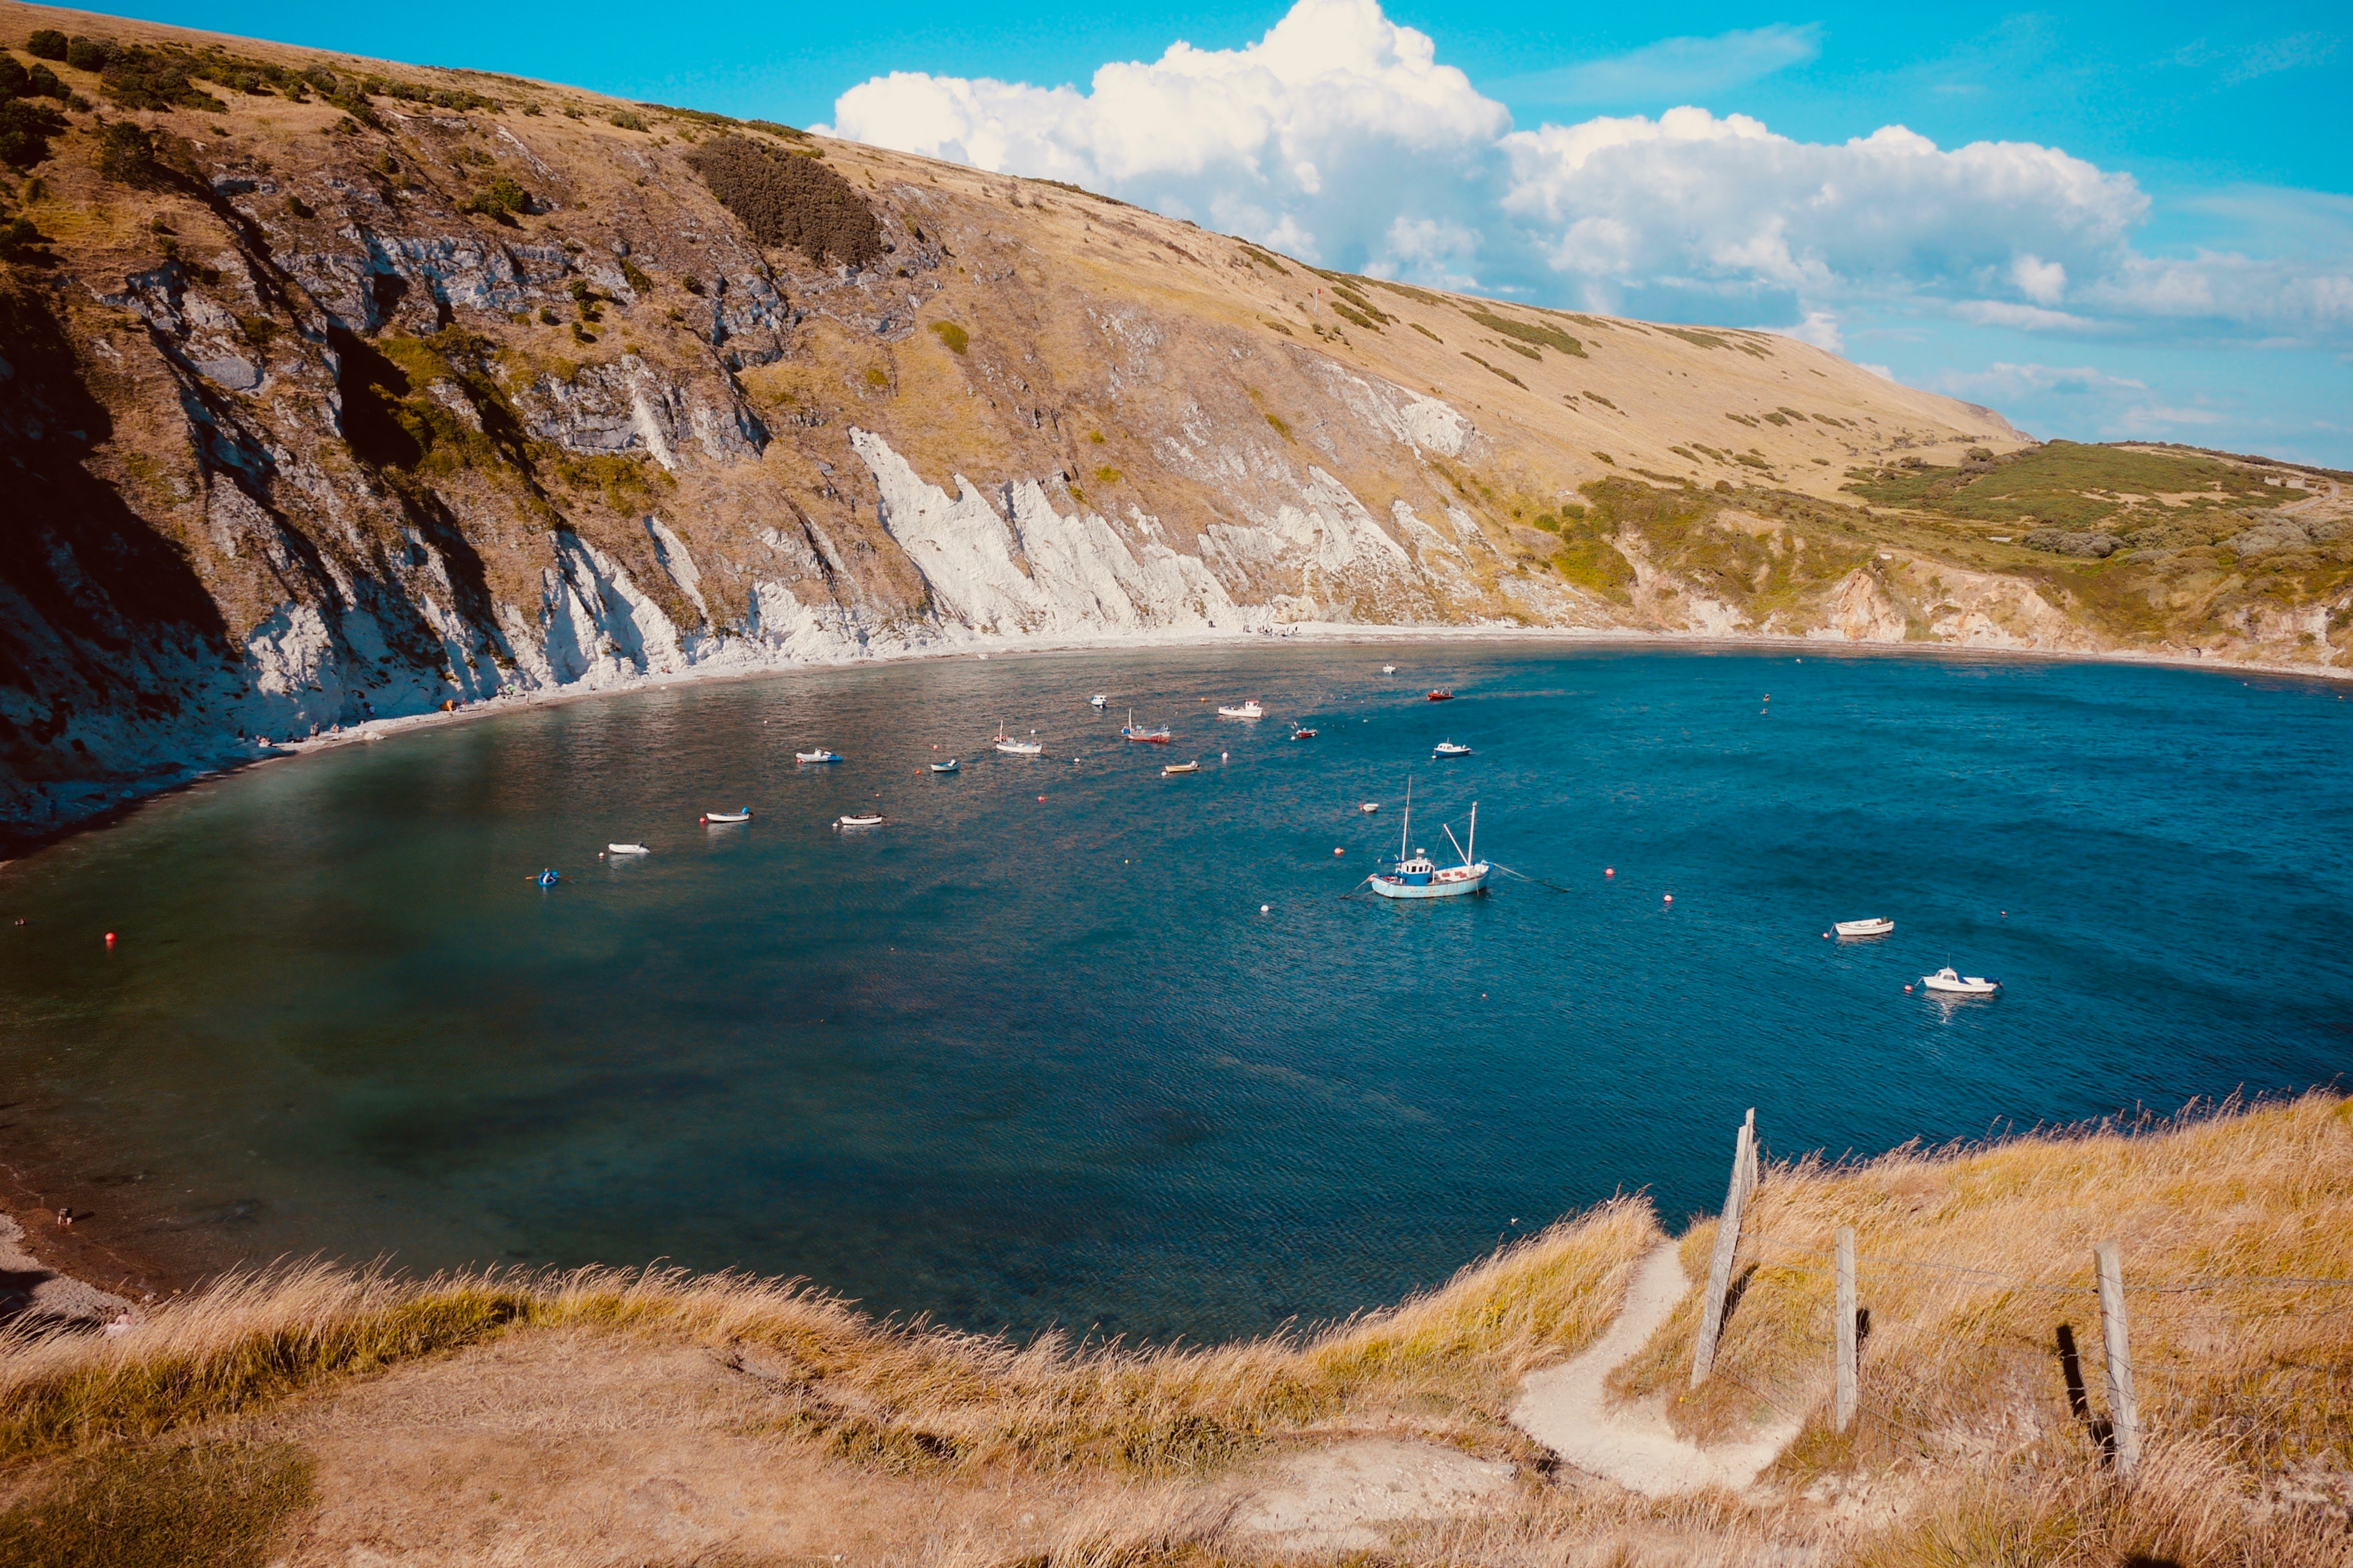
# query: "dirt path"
[[1566, 1410]]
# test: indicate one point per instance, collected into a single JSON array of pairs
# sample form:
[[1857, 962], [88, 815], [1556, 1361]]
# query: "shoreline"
[[22, 843]]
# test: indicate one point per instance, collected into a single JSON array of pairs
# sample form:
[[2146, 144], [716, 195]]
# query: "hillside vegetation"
[[613, 1417], [343, 389]]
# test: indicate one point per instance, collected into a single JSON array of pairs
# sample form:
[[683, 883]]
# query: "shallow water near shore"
[[1010, 1060]]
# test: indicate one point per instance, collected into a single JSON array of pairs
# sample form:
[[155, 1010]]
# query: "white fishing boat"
[[820, 755], [743, 814], [1098, 700], [1946, 980], [1135, 732], [859, 819], [1878, 926], [1012, 748], [1172, 769], [1250, 709], [1450, 749], [627, 849], [951, 765], [1415, 876]]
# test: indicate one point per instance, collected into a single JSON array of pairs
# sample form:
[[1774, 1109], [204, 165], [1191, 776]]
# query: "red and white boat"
[[1439, 694]]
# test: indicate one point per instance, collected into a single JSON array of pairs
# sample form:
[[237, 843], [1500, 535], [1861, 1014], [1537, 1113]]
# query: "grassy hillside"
[[608, 1417]]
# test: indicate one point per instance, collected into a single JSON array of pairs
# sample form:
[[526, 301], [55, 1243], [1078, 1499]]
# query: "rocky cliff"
[[332, 390]]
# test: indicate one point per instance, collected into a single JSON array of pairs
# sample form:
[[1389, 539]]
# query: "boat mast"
[[1406, 830], [1471, 855]]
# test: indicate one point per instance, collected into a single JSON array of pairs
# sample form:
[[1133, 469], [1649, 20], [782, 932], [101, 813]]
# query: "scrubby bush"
[[43, 82], [46, 43], [500, 201], [19, 240], [787, 200], [126, 155], [87, 54], [628, 120], [1545, 337], [957, 339], [24, 128]]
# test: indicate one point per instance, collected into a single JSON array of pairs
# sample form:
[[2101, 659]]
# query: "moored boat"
[[1876, 926], [820, 755], [1098, 700], [1300, 732], [1440, 694], [1250, 709], [859, 819], [627, 849], [1415, 876], [951, 765], [1135, 731], [1012, 748], [1369, 808], [743, 814], [1172, 769], [1450, 749], [1957, 984], [1388, 669]]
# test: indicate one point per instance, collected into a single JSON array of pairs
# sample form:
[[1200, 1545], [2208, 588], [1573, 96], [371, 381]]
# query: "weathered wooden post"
[[1727, 1242], [1846, 1325], [2124, 1410]]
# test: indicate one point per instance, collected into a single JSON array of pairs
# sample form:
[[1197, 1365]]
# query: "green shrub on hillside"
[[194, 1505], [957, 339], [1547, 337], [786, 200], [46, 43], [500, 201], [1498, 370], [627, 120]]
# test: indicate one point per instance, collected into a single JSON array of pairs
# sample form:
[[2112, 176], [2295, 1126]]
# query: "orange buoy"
[[1041, 800], [1339, 851], [1908, 988], [1608, 870]]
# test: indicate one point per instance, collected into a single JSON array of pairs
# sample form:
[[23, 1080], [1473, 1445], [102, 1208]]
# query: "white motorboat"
[[1250, 709], [627, 849], [741, 814], [1172, 769], [1450, 749], [1369, 808], [1877, 926], [1946, 980], [861, 819], [1388, 669], [951, 765], [820, 755], [1098, 700], [1415, 876], [1012, 748]]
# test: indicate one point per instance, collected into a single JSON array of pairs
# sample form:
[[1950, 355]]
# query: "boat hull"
[[1437, 887]]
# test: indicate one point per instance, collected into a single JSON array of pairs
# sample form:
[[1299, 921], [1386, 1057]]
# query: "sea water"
[[1068, 1042]]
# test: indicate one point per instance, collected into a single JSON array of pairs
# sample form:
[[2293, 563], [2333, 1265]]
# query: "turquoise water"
[[1012, 1060]]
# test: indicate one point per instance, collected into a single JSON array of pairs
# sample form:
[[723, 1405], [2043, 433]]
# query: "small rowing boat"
[[1946, 980], [1879, 926], [1250, 709], [861, 819], [1450, 749], [1440, 694], [820, 755], [1369, 808], [951, 765], [627, 849], [1172, 769], [743, 814]]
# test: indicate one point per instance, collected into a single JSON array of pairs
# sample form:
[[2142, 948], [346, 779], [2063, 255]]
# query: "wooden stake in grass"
[[2124, 1410], [1727, 1242], [1846, 1327]]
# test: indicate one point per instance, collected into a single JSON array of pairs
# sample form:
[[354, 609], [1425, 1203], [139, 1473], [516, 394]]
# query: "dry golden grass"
[[952, 1448]]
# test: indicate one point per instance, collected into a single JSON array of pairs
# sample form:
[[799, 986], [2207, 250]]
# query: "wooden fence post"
[[2124, 1410], [1846, 1325], [1727, 1242]]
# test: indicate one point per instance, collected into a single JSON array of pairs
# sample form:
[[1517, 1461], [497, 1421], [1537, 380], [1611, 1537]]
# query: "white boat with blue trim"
[[1415, 876]]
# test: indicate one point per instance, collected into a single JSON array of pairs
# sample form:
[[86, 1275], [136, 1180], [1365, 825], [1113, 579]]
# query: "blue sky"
[[2154, 237]]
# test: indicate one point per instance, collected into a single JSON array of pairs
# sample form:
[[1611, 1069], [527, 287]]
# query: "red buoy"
[[1608, 870], [1671, 897], [110, 939]]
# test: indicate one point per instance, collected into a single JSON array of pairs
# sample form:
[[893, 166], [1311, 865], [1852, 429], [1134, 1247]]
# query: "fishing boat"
[[627, 849], [1300, 733], [1415, 876], [1172, 769], [820, 755], [1098, 700], [1946, 980], [1250, 709], [1135, 732], [1439, 694], [1012, 748], [859, 819], [743, 814], [1450, 749], [1877, 926], [951, 765]]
